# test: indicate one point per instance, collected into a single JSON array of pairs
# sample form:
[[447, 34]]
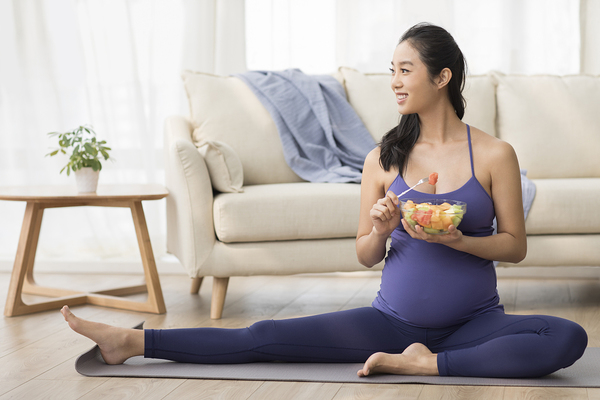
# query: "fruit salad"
[[434, 216]]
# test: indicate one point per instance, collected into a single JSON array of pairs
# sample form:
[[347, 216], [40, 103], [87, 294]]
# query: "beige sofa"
[[236, 209]]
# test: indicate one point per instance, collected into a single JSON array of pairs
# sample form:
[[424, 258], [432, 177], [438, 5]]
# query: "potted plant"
[[85, 152]]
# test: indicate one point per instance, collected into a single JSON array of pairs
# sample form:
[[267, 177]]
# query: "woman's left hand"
[[453, 235]]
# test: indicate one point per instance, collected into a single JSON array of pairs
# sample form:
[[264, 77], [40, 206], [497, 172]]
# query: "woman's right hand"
[[385, 214]]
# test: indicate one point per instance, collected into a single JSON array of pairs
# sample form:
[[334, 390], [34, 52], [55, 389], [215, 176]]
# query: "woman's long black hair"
[[437, 50]]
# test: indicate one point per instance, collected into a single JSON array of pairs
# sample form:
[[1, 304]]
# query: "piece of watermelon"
[[433, 177]]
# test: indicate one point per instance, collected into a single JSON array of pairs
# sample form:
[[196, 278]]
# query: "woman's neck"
[[440, 124]]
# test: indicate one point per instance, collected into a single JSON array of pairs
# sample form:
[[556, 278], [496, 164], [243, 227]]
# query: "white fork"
[[414, 186]]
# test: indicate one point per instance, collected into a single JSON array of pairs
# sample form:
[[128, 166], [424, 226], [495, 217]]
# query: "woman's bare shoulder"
[[372, 166], [495, 149], [374, 172], [374, 154]]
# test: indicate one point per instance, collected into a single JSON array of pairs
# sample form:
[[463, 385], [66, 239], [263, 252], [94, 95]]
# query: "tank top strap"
[[470, 149]]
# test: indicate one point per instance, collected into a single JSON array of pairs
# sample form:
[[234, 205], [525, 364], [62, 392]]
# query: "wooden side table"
[[39, 198]]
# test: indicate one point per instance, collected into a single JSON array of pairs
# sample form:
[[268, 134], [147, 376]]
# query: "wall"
[[590, 36]]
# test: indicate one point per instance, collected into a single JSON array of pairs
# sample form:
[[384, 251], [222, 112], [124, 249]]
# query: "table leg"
[[37, 215], [30, 232], [155, 302], [155, 296], [22, 273], [28, 285]]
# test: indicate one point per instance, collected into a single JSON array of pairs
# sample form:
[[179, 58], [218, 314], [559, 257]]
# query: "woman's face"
[[410, 80]]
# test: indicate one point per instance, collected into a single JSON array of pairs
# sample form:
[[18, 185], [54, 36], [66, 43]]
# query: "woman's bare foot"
[[415, 360], [116, 344]]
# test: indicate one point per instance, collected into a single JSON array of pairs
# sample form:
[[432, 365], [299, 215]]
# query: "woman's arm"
[[379, 213], [510, 244]]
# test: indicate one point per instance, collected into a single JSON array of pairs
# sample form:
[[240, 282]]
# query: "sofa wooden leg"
[[218, 297], [196, 282]]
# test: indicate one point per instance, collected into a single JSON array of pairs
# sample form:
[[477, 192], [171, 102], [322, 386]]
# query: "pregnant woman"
[[437, 311]]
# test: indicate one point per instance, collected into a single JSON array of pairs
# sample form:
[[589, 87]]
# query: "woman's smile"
[[401, 97]]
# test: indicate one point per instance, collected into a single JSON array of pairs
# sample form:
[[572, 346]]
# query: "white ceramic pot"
[[87, 180]]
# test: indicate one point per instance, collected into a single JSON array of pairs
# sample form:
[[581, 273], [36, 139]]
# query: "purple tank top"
[[430, 285]]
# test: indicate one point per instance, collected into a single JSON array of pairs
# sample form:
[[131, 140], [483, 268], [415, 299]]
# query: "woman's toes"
[[65, 311], [371, 364]]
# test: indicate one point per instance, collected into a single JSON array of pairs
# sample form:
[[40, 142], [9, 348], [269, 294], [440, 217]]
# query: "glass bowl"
[[433, 215]]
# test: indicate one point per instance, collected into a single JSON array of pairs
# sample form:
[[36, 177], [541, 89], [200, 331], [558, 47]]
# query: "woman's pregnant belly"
[[431, 285]]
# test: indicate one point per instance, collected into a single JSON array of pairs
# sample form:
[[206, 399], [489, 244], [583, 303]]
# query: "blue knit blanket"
[[323, 138], [528, 189]]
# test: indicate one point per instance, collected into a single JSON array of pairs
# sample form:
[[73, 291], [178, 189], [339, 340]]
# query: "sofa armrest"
[[190, 230]]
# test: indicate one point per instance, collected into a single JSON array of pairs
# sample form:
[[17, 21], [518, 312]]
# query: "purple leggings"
[[492, 345]]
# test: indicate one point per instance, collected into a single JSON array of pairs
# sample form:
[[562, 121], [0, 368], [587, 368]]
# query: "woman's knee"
[[578, 340], [263, 332], [572, 341]]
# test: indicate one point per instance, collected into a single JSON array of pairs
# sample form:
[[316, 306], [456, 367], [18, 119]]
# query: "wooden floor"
[[38, 351]]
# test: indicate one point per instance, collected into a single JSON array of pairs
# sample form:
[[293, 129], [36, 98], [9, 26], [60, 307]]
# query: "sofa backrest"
[[553, 122]]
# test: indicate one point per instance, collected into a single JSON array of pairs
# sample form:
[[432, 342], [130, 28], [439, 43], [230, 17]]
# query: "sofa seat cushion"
[[287, 211], [563, 206]]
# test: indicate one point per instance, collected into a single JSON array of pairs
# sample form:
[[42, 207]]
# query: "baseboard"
[[573, 272], [167, 264]]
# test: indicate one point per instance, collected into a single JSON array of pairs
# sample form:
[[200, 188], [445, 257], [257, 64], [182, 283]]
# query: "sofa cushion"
[[480, 95], [564, 206], [552, 122], [373, 100], [287, 212], [224, 109], [224, 166]]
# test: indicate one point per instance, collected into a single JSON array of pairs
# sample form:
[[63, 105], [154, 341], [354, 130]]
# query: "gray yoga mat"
[[584, 373]]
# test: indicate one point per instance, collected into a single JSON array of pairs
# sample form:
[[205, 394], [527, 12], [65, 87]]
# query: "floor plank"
[[296, 390], [57, 389], [350, 391], [461, 392], [593, 393], [545, 393], [125, 388], [214, 390]]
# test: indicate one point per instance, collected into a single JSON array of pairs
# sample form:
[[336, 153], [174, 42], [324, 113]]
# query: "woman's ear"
[[444, 77]]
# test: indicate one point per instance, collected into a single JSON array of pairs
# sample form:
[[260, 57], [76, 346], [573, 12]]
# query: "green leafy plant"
[[85, 149]]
